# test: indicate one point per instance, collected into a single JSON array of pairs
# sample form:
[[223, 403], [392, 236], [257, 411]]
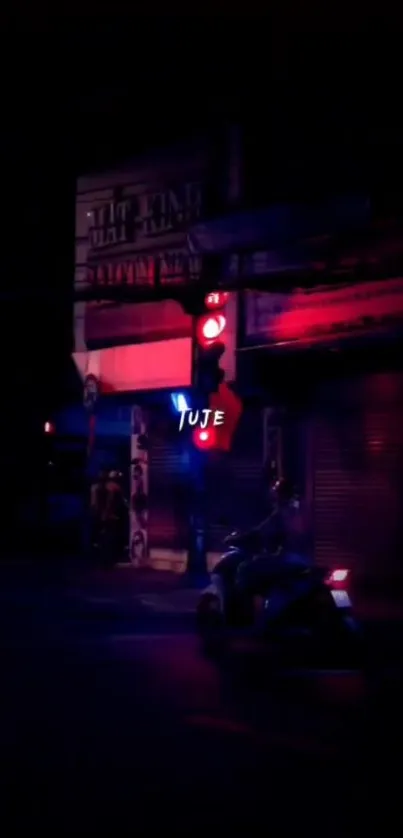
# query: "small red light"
[[48, 428], [210, 328], [216, 299], [338, 578], [204, 438]]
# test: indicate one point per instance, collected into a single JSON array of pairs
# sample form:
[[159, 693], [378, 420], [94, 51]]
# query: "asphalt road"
[[119, 726]]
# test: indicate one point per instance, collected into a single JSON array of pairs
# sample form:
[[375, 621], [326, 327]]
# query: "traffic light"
[[210, 343], [217, 432], [211, 391], [205, 438]]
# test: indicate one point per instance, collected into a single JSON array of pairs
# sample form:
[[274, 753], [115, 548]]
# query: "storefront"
[[334, 429], [131, 230], [329, 365], [273, 436]]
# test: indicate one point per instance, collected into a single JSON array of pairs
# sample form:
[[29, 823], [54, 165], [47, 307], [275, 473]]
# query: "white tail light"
[[339, 575]]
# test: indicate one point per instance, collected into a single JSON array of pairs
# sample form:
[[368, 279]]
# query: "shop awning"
[[322, 314], [138, 367]]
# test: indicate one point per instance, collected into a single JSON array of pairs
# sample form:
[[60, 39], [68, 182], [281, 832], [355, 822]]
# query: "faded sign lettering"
[[147, 270], [134, 217]]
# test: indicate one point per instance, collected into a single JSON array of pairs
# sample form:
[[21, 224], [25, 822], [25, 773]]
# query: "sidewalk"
[[154, 591]]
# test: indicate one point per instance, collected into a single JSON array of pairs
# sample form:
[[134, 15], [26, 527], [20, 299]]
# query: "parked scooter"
[[299, 606]]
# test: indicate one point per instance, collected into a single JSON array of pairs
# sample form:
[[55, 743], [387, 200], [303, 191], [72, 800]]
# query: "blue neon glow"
[[179, 402]]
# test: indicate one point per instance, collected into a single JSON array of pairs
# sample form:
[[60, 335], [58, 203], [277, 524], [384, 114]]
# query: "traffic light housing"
[[225, 406], [210, 329], [211, 391], [208, 374]]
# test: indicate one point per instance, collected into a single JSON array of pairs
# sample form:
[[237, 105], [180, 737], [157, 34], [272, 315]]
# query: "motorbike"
[[300, 607]]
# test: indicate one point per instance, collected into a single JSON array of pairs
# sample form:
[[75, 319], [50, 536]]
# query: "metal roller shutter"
[[168, 486], [358, 468]]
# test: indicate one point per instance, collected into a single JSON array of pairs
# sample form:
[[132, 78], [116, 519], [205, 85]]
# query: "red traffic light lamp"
[[210, 328], [211, 324], [48, 428], [205, 438], [210, 334]]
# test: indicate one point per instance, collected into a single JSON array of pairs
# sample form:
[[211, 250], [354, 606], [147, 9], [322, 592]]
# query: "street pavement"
[[112, 722]]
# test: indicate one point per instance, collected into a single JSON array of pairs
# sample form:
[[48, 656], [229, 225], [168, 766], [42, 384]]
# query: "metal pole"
[[88, 533], [197, 563]]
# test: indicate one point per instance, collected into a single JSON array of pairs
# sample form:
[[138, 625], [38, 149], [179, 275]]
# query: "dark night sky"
[[88, 95]]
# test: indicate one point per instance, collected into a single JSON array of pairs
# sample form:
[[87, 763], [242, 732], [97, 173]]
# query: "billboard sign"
[[320, 313], [131, 231]]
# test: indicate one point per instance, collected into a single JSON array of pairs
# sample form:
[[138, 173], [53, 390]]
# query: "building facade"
[[311, 348], [132, 234], [318, 356], [339, 411]]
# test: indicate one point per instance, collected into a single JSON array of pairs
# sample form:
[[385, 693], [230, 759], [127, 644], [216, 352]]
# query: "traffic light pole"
[[208, 347], [197, 556]]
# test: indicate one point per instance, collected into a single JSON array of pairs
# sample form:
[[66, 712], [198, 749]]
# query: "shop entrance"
[[112, 454]]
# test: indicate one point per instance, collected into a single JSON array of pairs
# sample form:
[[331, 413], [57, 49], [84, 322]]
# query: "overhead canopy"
[[273, 226]]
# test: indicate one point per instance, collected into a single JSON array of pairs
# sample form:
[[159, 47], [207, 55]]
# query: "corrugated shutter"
[[358, 466], [234, 482], [168, 485]]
